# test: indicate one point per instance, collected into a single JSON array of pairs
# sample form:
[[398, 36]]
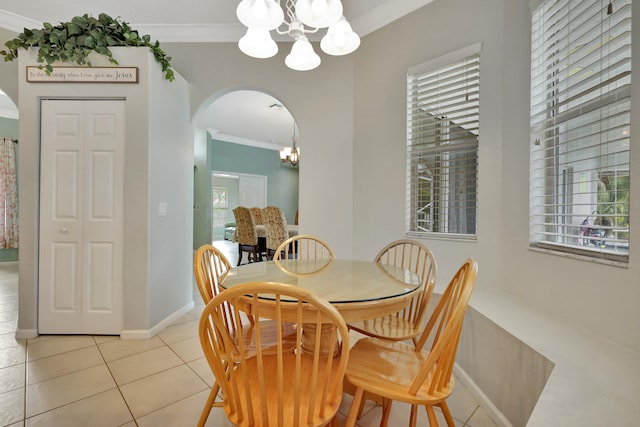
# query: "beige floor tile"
[[8, 306], [53, 393], [99, 339], [185, 318], [12, 378], [185, 413], [9, 340], [8, 326], [157, 391], [189, 349], [481, 418], [12, 356], [461, 403], [63, 364], [202, 369], [56, 344], [345, 405], [143, 364], [400, 417], [179, 332], [117, 349], [104, 409], [5, 316], [11, 406]]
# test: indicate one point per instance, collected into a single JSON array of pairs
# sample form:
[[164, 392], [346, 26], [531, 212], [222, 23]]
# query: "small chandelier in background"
[[291, 154], [302, 17]]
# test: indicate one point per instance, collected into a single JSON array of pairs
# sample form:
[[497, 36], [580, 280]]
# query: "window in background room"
[[443, 98], [580, 127], [219, 211]]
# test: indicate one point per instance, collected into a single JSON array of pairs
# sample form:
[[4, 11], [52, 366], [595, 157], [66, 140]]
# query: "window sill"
[[550, 250], [443, 236]]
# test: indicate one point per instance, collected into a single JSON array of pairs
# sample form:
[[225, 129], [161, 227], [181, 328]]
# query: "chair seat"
[[307, 389], [392, 327], [387, 368], [268, 336]]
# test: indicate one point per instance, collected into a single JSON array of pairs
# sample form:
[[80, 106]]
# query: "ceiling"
[[242, 116]]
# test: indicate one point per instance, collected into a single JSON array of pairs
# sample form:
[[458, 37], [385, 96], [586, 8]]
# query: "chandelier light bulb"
[[260, 14], [328, 12], [340, 39], [319, 6], [302, 57], [258, 44], [259, 9]]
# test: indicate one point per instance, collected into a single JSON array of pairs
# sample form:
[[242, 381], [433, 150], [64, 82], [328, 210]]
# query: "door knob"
[[64, 230]]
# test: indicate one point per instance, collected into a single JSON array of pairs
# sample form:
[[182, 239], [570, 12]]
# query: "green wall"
[[8, 129], [282, 180]]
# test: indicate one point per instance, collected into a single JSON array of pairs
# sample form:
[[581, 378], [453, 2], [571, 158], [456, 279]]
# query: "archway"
[[240, 133]]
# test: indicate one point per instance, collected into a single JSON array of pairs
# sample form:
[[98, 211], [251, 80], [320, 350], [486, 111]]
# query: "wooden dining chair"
[[407, 323], [275, 224], [247, 235], [399, 371], [277, 388], [303, 254], [210, 267]]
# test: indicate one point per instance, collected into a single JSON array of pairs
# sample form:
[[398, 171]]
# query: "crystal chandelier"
[[291, 154], [302, 17]]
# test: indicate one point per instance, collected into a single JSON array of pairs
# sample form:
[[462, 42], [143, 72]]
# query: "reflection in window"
[[580, 127]]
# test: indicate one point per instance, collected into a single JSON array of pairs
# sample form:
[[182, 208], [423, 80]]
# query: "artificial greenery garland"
[[74, 41]]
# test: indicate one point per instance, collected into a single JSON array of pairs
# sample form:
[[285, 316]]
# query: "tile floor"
[[78, 380]]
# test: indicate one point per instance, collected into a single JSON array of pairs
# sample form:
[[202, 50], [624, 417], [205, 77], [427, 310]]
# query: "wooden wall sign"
[[83, 75]]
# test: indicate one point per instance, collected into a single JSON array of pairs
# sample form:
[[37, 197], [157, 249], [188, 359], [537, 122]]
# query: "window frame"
[[579, 116], [449, 144]]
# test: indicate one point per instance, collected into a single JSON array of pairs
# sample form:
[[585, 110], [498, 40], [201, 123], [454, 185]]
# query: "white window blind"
[[580, 126], [443, 99]]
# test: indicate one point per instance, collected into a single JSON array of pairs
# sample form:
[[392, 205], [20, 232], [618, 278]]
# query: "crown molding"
[[16, 23], [382, 15], [213, 133], [9, 113]]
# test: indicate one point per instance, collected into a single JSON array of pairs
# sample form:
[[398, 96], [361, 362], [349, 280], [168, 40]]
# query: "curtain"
[[8, 195]]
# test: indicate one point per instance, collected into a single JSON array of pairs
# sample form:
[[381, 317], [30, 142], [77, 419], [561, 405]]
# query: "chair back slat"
[[303, 254], [444, 328], [277, 386], [416, 257]]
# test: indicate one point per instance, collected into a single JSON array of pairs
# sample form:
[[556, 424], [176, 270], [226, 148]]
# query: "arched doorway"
[[240, 133]]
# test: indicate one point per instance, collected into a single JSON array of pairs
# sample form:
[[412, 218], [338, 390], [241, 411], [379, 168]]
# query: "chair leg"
[[239, 254], [353, 412], [432, 416], [414, 416], [208, 405], [447, 414], [386, 411]]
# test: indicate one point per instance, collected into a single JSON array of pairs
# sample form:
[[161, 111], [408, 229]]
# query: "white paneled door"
[[81, 217], [253, 191]]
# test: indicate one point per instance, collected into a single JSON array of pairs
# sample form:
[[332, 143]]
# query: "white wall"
[[322, 103], [601, 298]]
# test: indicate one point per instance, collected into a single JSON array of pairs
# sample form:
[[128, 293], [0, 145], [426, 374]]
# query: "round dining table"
[[360, 290]]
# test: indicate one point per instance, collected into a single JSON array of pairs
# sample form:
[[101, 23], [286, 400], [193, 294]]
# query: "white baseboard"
[[144, 334], [480, 397], [26, 334]]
